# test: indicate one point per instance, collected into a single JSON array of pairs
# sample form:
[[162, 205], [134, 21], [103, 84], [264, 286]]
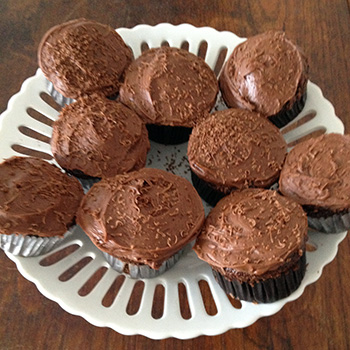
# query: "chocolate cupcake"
[[171, 90], [234, 149], [82, 57], [267, 74], [142, 220], [254, 240], [38, 204], [316, 174], [95, 137]]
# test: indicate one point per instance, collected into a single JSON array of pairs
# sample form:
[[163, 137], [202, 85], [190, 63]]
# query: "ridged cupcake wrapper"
[[58, 97], [88, 183], [28, 246], [205, 191], [85, 180], [211, 195], [267, 291], [145, 271], [332, 224], [168, 135], [286, 116]]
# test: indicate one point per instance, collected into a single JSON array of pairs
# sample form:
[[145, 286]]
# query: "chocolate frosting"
[[169, 86], [266, 73], [99, 137], [82, 56], [252, 232], [236, 148], [143, 217], [36, 198], [317, 172]]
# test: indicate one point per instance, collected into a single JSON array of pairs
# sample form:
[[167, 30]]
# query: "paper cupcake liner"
[[58, 97], [267, 291], [206, 191], [168, 135], [332, 224], [28, 246], [145, 271], [286, 116]]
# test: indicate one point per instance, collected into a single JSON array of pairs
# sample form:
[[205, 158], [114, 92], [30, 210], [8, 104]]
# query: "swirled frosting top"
[[99, 137], [36, 198], [317, 172], [169, 86], [253, 231], [82, 57], [264, 73], [236, 148], [143, 217]]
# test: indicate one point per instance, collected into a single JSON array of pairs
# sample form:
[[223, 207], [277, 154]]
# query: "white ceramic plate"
[[52, 280]]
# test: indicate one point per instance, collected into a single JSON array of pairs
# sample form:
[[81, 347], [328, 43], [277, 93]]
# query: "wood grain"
[[319, 319]]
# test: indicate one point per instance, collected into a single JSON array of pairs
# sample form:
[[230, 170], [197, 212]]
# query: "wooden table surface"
[[320, 318]]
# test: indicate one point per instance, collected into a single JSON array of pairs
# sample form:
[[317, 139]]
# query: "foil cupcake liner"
[[211, 195], [168, 135], [86, 181], [144, 271], [332, 224], [286, 116], [58, 97], [28, 246], [267, 291]]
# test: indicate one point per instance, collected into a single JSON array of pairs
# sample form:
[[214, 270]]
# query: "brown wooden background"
[[319, 319]]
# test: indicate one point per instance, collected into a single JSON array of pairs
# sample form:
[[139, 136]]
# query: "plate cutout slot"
[[50, 101], [144, 46], [165, 44], [59, 255], [135, 298], [220, 61], [33, 134], [207, 297], [113, 291], [202, 50], [31, 152], [318, 132], [73, 270], [185, 45], [183, 300], [236, 303], [303, 120], [39, 116], [158, 302], [91, 283]]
